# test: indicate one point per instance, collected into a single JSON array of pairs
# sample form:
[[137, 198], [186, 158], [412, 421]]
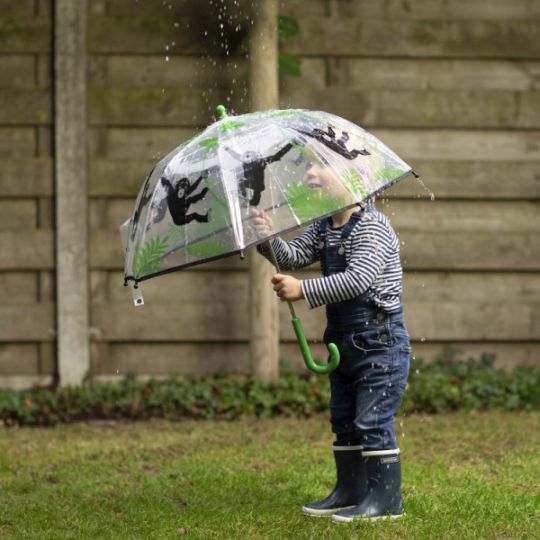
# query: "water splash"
[[431, 194]]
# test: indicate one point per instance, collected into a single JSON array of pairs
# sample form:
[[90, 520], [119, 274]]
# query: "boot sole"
[[343, 519], [313, 512]]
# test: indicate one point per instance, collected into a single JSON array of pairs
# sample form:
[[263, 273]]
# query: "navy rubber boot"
[[383, 498], [350, 486]]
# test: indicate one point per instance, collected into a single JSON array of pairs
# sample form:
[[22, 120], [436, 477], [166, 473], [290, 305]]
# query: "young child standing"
[[361, 288]]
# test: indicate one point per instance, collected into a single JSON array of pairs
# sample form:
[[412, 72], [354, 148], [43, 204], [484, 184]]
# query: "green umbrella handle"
[[333, 359]]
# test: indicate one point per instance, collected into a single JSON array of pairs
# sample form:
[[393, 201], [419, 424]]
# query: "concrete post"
[[263, 87], [71, 203]]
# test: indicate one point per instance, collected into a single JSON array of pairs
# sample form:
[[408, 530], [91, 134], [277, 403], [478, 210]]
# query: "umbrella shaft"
[[274, 260]]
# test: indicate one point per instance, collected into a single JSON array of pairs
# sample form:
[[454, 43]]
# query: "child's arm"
[[371, 245], [297, 253]]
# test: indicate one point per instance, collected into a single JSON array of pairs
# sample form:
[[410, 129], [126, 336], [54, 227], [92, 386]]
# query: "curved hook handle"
[[333, 360]]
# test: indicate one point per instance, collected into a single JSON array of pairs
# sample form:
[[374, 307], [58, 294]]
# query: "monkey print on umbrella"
[[253, 165], [328, 138], [179, 199], [145, 198]]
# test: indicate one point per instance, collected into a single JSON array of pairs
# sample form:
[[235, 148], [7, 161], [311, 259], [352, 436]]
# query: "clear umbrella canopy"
[[195, 203]]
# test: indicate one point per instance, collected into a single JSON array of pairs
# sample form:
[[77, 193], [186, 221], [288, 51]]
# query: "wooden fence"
[[451, 86]]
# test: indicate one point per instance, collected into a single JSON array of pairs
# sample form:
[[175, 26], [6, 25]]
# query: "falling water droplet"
[[166, 59], [422, 338]]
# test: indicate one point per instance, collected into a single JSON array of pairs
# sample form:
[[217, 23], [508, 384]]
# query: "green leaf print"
[[148, 258], [229, 125], [209, 144], [353, 182], [307, 203], [203, 250], [176, 235], [387, 174], [285, 112]]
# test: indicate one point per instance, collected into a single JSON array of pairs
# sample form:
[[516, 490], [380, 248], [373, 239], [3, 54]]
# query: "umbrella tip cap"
[[221, 112]]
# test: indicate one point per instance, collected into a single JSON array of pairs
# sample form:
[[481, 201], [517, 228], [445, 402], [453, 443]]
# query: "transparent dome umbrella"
[[195, 204]]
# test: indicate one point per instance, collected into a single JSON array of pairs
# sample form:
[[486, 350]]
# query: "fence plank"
[[140, 106], [446, 179], [404, 215], [220, 321], [18, 214], [27, 322], [18, 359], [194, 286], [188, 71], [422, 108], [21, 34], [21, 107], [432, 250], [360, 36], [432, 74], [168, 106], [143, 34], [145, 143], [462, 145], [472, 180], [208, 358], [31, 177], [17, 143], [435, 9], [17, 71]]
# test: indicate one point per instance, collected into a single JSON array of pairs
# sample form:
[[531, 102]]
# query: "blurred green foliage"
[[446, 384]]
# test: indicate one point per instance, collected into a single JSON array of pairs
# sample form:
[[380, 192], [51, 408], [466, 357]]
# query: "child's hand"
[[262, 222], [287, 287]]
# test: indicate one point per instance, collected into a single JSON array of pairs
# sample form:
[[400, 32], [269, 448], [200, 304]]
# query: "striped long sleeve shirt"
[[372, 254]]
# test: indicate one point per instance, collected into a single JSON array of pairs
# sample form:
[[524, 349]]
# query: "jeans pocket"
[[372, 339], [399, 337]]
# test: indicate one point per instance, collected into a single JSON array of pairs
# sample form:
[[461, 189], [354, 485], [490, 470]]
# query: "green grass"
[[464, 475]]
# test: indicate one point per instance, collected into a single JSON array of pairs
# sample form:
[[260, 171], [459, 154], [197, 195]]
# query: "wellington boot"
[[350, 486], [383, 498]]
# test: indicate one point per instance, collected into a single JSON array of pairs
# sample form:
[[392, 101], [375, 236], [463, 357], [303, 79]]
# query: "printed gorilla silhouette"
[[254, 164], [328, 138], [179, 203]]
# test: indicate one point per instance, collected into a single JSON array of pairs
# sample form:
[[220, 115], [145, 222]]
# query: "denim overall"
[[367, 386]]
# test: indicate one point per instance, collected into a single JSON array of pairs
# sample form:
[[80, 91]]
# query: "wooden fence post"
[[71, 203], [263, 88]]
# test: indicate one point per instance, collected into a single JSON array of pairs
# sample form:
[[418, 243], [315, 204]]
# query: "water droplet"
[[166, 59], [422, 338]]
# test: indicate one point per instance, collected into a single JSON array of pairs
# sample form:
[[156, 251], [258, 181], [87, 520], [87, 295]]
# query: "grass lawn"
[[464, 476]]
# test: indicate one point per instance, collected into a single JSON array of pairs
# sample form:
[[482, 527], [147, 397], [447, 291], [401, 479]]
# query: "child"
[[361, 288]]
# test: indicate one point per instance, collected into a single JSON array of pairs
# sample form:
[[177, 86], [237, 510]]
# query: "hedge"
[[446, 384]]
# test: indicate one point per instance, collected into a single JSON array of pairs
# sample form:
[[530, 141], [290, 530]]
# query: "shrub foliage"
[[447, 384]]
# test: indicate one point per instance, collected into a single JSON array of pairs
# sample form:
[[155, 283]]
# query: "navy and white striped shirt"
[[372, 255]]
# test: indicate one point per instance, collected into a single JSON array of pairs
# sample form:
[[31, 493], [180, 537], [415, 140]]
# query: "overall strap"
[[322, 234], [346, 231], [353, 220]]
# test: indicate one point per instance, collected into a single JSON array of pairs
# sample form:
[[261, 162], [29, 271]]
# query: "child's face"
[[319, 175]]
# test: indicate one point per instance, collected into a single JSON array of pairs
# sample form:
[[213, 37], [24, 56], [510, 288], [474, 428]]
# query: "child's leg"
[[350, 484], [380, 373]]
